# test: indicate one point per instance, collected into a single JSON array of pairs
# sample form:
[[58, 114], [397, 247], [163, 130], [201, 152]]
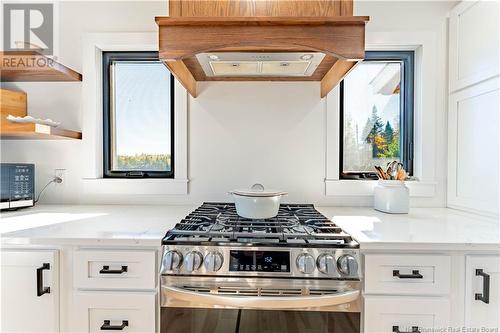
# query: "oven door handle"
[[265, 302]]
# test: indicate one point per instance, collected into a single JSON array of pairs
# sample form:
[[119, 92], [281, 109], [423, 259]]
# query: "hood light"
[[213, 57], [306, 57]]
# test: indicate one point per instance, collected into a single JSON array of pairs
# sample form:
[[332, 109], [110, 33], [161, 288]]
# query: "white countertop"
[[90, 225], [422, 229]]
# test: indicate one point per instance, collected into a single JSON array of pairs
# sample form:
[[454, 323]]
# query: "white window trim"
[[93, 182], [425, 113]]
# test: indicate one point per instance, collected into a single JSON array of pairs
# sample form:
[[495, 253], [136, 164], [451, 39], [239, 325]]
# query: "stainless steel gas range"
[[297, 272]]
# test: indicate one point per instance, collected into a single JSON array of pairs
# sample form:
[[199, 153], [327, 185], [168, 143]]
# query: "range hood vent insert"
[[227, 68], [286, 68], [281, 64]]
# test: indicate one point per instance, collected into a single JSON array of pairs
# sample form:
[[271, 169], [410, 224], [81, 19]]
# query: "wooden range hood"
[[325, 26]]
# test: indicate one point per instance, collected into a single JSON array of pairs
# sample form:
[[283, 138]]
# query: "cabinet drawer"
[[102, 269], [407, 274], [404, 313], [132, 312]]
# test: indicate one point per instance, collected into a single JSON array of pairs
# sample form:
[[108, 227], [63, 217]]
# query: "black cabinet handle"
[[414, 329], [108, 327], [415, 274], [106, 270], [40, 290], [485, 296]]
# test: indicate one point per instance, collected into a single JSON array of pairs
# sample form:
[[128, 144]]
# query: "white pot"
[[257, 203], [392, 196]]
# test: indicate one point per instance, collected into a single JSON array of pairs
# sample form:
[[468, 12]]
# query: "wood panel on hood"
[[261, 26]]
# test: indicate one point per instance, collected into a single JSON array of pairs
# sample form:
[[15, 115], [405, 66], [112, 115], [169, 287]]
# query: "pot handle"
[[258, 187]]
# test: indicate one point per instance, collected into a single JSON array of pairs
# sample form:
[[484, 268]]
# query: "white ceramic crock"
[[257, 202], [392, 196]]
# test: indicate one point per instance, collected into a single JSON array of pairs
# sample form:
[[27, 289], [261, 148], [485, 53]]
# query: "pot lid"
[[258, 190]]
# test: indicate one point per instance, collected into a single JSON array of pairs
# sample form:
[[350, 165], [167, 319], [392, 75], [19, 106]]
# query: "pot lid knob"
[[258, 187]]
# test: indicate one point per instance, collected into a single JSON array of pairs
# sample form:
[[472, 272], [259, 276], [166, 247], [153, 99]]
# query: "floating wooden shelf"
[[15, 103], [32, 66], [37, 132]]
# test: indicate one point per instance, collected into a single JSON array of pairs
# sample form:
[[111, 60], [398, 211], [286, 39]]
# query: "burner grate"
[[295, 225]]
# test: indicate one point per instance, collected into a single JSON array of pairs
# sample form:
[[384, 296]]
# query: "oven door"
[[209, 304]]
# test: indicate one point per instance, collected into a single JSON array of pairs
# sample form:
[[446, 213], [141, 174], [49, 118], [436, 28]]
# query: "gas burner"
[[215, 227], [295, 225], [303, 229]]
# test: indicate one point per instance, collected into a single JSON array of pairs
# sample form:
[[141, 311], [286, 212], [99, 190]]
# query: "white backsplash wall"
[[239, 132], [273, 133]]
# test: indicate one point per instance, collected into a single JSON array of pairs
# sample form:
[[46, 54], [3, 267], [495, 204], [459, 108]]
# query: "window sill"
[[365, 188], [135, 186]]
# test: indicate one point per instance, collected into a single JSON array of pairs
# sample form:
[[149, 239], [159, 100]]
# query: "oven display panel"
[[259, 261]]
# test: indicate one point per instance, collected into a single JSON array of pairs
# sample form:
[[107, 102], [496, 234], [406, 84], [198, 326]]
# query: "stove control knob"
[[347, 265], [305, 263], [193, 261], [213, 261], [172, 260], [326, 264]]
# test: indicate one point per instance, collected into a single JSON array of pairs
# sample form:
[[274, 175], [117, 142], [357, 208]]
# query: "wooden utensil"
[[380, 172]]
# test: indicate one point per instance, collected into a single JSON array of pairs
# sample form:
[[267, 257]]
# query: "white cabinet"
[[30, 291], [405, 314], [114, 289], [127, 312], [473, 115], [473, 148], [115, 269], [406, 292], [474, 43], [407, 274], [482, 292]]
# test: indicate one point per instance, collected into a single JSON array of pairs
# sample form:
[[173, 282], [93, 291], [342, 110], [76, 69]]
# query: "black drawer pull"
[[40, 290], [415, 274], [108, 327], [414, 329], [485, 296], [106, 270]]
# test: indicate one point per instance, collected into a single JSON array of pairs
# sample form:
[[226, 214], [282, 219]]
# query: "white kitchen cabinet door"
[[30, 291], [473, 148], [482, 304], [405, 314], [474, 43]]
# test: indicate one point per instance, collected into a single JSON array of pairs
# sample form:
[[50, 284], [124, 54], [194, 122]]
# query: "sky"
[[142, 108]]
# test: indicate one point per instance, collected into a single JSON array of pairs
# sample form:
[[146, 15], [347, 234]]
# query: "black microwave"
[[18, 185]]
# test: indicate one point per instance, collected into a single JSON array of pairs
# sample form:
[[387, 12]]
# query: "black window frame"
[[407, 60], [107, 60]]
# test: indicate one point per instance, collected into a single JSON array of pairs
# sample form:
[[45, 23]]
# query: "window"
[[138, 115], [376, 114]]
